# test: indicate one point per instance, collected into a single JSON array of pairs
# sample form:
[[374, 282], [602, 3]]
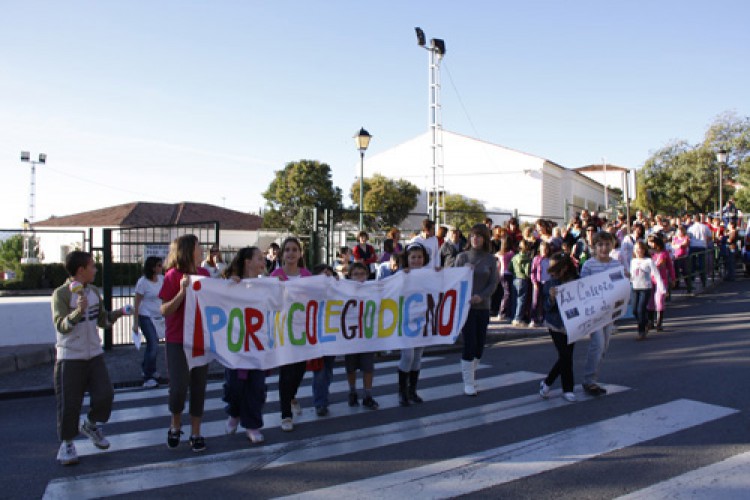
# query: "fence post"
[[107, 270]]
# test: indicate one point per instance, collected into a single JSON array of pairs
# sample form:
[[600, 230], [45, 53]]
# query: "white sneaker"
[[156, 375], [67, 454], [570, 397], [543, 390], [255, 436], [296, 407], [232, 423], [95, 434], [287, 425], [515, 323], [150, 384]]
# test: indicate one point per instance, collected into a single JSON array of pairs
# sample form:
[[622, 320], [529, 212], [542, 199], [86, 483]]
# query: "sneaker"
[[156, 375], [287, 425], [535, 324], [515, 323], [296, 407], [370, 403], [321, 411], [67, 454], [151, 383], [173, 437], [353, 401], [232, 424], [197, 443], [504, 318], [570, 397], [543, 390], [594, 389], [255, 436], [95, 434]]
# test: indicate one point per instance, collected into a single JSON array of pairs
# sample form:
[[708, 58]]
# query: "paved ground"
[[28, 370]]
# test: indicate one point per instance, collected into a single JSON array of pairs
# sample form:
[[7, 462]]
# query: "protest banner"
[[589, 303], [263, 323]]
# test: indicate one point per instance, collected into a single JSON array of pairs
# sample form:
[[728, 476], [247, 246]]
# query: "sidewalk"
[[27, 370]]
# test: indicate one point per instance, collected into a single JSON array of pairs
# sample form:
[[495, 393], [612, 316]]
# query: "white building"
[[505, 180]]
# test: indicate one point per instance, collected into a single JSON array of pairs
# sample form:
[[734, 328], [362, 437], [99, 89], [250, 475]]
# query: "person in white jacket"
[[642, 272]]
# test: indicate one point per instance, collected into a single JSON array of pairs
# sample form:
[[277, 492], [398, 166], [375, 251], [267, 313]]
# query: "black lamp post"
[[363, 140]]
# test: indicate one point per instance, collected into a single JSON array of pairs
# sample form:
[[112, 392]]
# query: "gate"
[[123, 253]]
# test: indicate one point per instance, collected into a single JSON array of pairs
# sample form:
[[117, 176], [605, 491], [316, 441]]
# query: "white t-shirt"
[[699, 233], [151, 303]]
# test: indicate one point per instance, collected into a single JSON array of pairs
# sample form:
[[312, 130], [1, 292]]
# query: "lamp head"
[[362, 139]]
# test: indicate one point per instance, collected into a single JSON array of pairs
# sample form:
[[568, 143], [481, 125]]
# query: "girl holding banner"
[[416, 257], [184, 255], [290, 376], [245, 390], [562, 269], [485, 280]]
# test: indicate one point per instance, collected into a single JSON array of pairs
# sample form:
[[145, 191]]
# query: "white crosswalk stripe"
[[487, 468]]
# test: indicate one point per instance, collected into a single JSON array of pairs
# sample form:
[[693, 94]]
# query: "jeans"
[[522, 291], [698, 262], [290, 377], [564, 365], [152, 346], [245, 394], [322, 381], [597, 349], [642, 296]]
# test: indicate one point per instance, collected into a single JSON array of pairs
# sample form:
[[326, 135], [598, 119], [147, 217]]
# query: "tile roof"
[[139, 213]]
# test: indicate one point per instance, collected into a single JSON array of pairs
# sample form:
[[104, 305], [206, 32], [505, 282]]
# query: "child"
[[642, 271], [409, 364], [603, 243], [561, 270], [663, 262], [539, 276], [504, 256], [290, 376], [323, 375], [245, 390], [364, 361], [184, 255], [521, 267], [80, 363]]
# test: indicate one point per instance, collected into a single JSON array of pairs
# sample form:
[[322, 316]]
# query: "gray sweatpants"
[[181, 377], [72, 379]]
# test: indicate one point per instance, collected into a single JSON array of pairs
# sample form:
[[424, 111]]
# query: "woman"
[[290, 376], [147, 314], [484, 270], [680, 250], [184, 255], [214, 264], [410, 363], [395, 234], [245, 390], [562, 269], [539, 276]]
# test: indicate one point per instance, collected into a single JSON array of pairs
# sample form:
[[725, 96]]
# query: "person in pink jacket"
[[663, 262]]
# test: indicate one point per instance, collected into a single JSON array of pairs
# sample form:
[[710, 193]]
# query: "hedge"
[[50, 276]]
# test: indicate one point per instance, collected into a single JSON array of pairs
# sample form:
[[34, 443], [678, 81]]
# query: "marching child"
[[77, 311], [642, 271]]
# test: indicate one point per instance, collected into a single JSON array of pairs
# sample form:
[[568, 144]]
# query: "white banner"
[[263, 323], [590, 303]]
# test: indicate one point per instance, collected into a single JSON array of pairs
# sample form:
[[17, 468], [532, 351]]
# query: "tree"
[[296, 191], [462, 212], [685, 178], [11, 251], [387, 201]]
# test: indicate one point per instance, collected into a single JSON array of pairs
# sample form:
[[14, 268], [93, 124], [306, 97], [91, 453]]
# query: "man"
[[450, 248], [700, 236]]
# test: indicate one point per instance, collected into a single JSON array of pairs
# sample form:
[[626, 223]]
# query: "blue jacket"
[[552, 318]]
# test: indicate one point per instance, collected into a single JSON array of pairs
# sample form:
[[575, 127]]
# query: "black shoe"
[[353, 401], [370, 403], [197, 443], [594, 389], [173, 437], [321, 411]]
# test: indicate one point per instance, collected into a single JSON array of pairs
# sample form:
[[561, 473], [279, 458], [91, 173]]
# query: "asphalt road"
[[677, 410]]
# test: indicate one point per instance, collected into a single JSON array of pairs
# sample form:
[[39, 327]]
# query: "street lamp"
[[721, 157], [362, 139]]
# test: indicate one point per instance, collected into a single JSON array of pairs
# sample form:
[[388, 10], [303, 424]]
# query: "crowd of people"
[[515, 274]]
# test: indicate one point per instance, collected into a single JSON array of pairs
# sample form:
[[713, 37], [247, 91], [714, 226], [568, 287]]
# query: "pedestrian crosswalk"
[[440, 478]]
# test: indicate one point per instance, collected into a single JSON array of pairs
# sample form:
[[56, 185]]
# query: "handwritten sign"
[[262, 323], [590, 303]]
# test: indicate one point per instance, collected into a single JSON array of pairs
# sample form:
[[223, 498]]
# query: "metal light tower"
[[721, 157], [29, 241], [436, 199]]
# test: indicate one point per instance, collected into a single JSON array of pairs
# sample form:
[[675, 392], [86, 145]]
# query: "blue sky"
[[201, 101]]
